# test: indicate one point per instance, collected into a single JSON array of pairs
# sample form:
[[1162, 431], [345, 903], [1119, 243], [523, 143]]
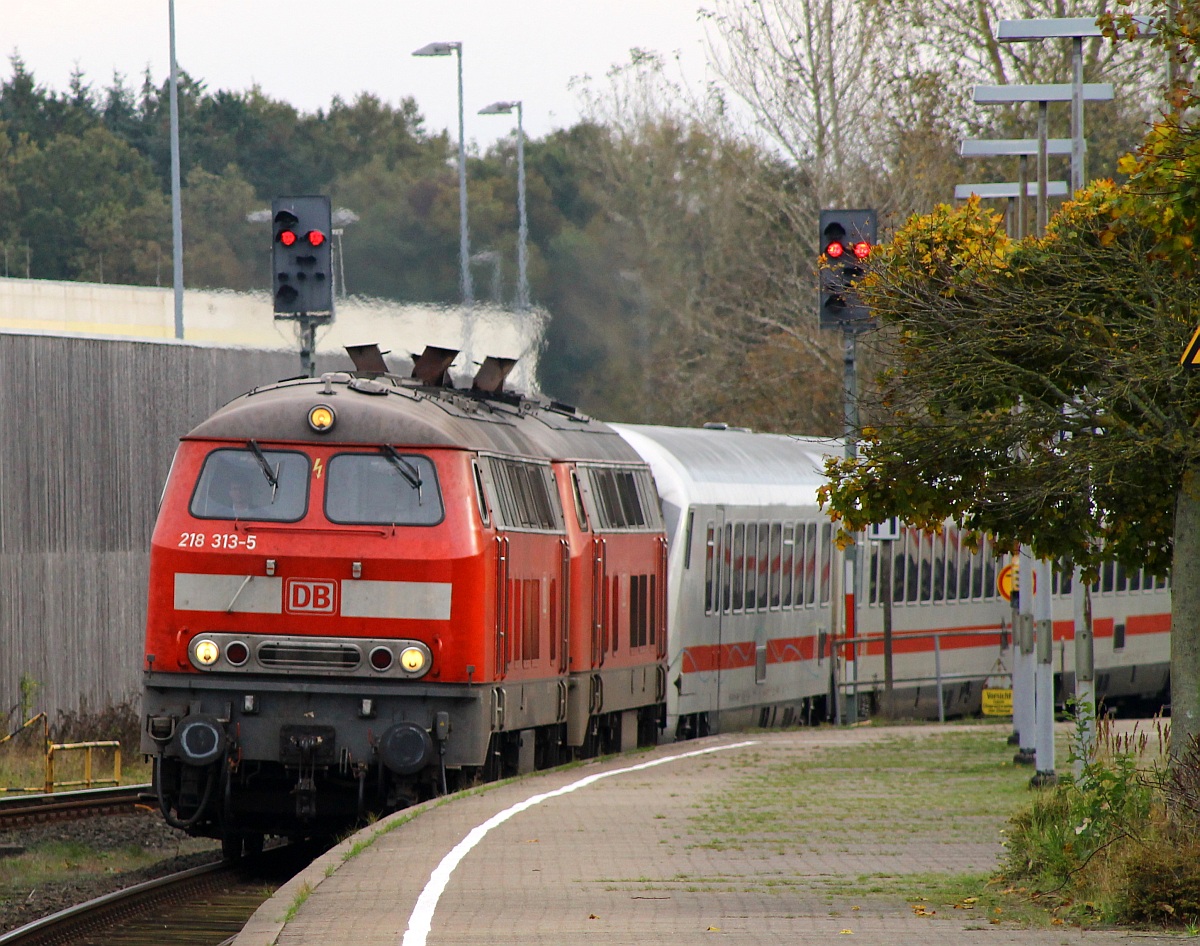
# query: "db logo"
[[310, 596]]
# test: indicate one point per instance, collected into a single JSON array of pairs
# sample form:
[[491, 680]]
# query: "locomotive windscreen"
[[376, 489], [269, 485]]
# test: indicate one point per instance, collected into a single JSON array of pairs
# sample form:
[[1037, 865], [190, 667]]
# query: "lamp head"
[[499, 108], [437, 49]]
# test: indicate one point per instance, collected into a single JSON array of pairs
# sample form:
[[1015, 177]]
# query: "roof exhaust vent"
[[492, 375], [368, 359], [432, 366]]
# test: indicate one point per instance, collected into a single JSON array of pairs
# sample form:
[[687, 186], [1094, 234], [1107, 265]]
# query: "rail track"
[[62, 806], [203, 906]]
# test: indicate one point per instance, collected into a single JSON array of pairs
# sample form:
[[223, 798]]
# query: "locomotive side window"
[[577, 494], [379, 489], [525, 498], [243, 483], [623, 498], [481, 496]]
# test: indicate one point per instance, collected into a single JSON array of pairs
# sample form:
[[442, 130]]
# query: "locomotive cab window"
[[387, 488], [252, 483]]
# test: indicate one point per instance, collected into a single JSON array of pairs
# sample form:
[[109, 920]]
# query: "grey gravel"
[[174, 851]]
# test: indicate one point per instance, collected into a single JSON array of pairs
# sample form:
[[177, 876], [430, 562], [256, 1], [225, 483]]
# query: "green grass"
[[864, 801], [882, 795], [56, 862]]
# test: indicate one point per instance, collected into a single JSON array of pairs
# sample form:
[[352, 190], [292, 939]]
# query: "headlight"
[[206, 652], [413, 659], [321, 418]]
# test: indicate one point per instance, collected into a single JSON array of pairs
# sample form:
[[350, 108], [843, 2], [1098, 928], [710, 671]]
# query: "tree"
[[701, 280], [1035, 394], [870, 97], [89, 208]]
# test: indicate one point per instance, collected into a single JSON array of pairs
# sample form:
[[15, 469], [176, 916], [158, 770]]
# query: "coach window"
[[810, 563], [751, 565], [826, 562], [785, 563], [253, 484], [764, 567], [739, 566], [382, 489], [710, 557], [727, 568], [952, 542]]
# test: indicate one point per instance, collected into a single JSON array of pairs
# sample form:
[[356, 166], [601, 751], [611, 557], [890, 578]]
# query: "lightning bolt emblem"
[[318, 467]]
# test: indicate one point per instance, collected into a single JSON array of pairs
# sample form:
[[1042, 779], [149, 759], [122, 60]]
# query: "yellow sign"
[[997, 702], [1191, 355], [1006, 581]]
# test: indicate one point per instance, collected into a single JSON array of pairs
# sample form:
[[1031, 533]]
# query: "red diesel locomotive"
[[365, 590]]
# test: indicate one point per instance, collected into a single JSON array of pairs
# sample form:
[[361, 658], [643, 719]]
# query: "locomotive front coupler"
[[305, 791]]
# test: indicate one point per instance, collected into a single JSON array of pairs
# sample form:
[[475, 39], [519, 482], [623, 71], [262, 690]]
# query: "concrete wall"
[[241, 319]]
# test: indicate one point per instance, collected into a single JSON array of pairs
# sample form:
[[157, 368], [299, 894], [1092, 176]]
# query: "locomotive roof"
[[402, 412], [725, 465]]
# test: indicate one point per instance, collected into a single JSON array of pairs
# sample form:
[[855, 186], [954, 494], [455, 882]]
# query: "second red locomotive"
[[365, 590]]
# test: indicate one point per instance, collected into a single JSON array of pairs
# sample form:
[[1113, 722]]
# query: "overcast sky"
[[305, 52]]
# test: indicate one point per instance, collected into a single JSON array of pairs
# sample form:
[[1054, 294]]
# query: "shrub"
[[120, 722]]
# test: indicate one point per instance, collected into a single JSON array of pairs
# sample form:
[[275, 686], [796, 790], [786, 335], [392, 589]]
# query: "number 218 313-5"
[[221, 540]]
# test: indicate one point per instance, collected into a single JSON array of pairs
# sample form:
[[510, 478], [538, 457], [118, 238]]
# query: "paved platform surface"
[[607, 853]]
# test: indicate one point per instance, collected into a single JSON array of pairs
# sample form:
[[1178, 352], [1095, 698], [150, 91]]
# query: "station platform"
[[644, 849]]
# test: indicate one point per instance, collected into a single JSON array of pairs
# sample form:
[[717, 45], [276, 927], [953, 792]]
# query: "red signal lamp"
[[315, 237], [834, 250], [287, 237], [862, 249]]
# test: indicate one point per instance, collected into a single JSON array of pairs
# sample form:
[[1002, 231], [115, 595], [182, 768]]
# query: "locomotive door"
[[599, 601], [502, 606]]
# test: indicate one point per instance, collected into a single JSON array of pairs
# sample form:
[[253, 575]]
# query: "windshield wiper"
[[271, 475], [407, 470]]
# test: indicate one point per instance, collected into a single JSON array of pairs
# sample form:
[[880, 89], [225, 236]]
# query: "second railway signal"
[[301, 262], [846, 239]]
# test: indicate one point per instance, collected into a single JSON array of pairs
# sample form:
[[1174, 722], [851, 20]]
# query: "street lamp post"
[[176, 200], [505, 108], [464, 243], [1022, 148], [1043, 95], [1076, 29]]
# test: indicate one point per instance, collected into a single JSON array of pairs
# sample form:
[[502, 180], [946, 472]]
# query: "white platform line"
[[420, 921]]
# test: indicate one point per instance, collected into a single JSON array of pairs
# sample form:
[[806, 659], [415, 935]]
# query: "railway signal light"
[[301, 270], [846, 238]]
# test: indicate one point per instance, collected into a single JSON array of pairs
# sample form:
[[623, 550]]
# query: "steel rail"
[[57, 926]]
